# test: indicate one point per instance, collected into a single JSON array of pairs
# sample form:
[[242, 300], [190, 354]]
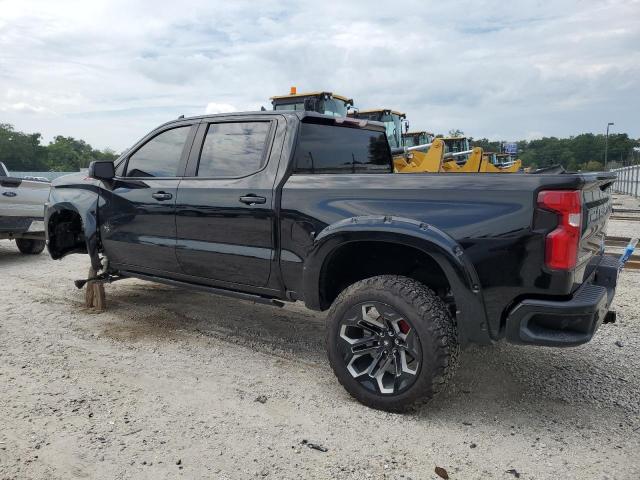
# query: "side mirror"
[[102, 170]]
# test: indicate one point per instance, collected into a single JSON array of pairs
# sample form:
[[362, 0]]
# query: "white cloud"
[[22, 107], [213, 107], [113, 70]]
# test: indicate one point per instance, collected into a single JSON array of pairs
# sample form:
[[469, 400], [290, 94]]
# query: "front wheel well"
[[66, 233], [356, 261]]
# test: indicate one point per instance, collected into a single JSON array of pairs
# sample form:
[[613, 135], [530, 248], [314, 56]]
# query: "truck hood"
[[79, 178]]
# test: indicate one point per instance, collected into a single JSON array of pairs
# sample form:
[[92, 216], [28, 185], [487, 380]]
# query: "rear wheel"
[[391, 342], [29, 246]]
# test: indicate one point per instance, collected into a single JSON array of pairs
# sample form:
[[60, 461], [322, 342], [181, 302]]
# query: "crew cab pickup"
[[22, 211], [285, 206]]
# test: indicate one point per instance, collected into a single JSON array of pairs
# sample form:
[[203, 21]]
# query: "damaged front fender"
[[71, 222]]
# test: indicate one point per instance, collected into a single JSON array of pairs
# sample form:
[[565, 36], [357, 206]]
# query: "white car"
[[22, 211]]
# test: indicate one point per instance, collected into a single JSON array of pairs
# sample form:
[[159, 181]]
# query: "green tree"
[[21, 151], [594, 166]]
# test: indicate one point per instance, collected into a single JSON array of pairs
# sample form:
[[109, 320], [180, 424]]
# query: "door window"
[[160, 156], [233, 149]]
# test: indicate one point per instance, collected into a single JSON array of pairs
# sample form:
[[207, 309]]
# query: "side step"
[[204, 288]]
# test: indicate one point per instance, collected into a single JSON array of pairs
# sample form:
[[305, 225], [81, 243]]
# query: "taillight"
[[561, 247]]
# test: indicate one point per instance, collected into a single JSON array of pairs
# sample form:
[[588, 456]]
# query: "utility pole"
[[606, 145]]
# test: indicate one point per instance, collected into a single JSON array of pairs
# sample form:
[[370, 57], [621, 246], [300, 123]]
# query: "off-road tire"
[[435, 327], [30, 246]]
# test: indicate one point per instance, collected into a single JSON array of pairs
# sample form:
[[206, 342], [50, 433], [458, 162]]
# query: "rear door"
[[137, 222], [225, 213]]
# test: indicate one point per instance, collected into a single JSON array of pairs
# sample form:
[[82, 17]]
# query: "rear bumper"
[[565, 323], [17, 225]]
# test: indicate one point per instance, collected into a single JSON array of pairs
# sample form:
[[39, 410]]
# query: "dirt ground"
[[171, 383]]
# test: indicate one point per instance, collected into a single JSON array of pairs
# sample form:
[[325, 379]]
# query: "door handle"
[[10, 194], [252, 199], [162, 196]]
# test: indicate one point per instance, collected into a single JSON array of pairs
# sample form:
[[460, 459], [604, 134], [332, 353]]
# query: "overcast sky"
[[110, 71]]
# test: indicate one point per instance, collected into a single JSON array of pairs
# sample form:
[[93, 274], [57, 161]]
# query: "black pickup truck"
[[286, 206]]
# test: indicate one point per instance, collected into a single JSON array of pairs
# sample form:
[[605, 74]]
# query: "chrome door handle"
[[162, 196], [253, 199]]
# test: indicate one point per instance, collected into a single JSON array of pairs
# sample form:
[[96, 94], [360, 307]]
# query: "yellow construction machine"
[[413, 152], [412, 139], [493, 162], [392, 120], [328, 103], [415, 159]]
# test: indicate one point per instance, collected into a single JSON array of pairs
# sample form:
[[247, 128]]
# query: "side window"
[[333, 149], [233, 149], [160, 156]]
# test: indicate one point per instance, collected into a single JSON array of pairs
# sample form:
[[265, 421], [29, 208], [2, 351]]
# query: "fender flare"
[[84, 203], [444, 250]]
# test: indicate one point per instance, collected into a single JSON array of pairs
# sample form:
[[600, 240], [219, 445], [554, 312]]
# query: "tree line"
[[582, 152], [24, 151]]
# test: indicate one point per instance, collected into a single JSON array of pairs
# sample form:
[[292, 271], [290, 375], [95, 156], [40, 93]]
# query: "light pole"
[[606, 145]]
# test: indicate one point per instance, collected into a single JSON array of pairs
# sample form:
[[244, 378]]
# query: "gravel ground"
[[170, 383]]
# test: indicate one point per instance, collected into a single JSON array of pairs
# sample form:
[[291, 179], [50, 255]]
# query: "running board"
[[204, 288]]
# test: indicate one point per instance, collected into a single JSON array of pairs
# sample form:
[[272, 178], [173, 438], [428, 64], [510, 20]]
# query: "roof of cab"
[[313, 94], [375, 110], [417, 132]]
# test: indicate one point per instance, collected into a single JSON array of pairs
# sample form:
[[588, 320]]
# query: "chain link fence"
[[628, 180]]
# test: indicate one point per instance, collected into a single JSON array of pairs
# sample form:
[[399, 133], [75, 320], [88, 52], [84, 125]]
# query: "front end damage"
[[71, 218]]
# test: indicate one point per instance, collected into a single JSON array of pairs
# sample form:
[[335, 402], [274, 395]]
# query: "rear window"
[[331, 149], [233, 149]]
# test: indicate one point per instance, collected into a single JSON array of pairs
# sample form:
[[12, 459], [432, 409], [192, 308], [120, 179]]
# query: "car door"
[[225, 209], [137, 222]]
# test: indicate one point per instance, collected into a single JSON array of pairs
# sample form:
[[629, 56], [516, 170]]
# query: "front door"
[[225, 209], [137, 221]]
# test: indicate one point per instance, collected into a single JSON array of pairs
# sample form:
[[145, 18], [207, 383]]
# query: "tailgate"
[[22, 198], [597, 204]]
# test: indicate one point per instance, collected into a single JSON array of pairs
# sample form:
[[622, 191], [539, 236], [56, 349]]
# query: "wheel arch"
[[66, 206], [406, 237]]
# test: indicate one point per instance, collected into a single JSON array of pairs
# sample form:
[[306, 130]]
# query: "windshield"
[[456, 145], [413, 139], [393, 126], [289, 106], [335, 107]]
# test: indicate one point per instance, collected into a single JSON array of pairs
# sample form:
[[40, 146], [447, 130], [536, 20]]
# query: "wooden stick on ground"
[[94, 296]]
